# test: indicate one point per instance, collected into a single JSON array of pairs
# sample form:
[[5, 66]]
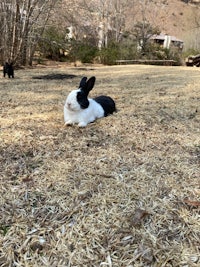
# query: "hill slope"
[[174, 17]]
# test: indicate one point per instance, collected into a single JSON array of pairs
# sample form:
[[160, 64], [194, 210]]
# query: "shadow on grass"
[[55, 76]]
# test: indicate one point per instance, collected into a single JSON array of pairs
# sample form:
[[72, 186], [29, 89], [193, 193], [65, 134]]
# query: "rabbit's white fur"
[[73, 113]]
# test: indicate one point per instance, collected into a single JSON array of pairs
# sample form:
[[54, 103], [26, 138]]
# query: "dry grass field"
[[122, 192]]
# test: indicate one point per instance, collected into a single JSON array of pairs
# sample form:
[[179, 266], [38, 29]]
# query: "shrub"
[[128, 50], [156, 52], [109, 55], [87, 53], [82, 51], [190, 52], [51, 43]]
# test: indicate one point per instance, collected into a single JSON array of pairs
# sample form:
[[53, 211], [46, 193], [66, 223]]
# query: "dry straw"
[[124, 191]]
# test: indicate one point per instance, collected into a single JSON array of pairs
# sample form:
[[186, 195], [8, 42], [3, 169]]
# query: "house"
[[167, 41]]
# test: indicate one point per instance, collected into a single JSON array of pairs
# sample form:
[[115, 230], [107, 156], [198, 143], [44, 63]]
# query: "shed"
[[167, 41]]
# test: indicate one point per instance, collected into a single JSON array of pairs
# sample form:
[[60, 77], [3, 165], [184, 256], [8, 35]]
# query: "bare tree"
[[111, 16], [192, 35], [103, 20], [22, 21]]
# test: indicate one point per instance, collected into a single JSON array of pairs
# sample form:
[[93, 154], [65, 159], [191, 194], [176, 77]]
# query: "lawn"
[[123, 191]]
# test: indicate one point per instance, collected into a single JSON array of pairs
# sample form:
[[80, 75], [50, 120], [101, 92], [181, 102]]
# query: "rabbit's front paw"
[[82, 124], [68, 122]]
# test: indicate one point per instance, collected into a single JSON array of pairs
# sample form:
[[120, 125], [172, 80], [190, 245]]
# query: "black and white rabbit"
[[80, 109]]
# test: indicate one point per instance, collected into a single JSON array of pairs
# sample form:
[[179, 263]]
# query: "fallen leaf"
[[27, 179], [192, 202], [138, 216]]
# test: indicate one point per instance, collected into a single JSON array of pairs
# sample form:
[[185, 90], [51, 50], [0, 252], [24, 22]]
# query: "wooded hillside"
[[27, 25]]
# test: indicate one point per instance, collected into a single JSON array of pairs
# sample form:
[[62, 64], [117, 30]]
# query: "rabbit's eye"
[[79, 96]]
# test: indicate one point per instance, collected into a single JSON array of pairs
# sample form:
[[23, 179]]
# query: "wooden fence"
[[146, 61]]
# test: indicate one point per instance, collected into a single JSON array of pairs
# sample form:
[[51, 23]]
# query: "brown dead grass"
[[124, 191]]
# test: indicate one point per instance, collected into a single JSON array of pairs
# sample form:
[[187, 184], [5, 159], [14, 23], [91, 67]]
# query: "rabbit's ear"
[[89, 85], [83, 82]]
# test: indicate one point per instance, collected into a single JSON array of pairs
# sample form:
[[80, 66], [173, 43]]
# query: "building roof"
[[163, 36]]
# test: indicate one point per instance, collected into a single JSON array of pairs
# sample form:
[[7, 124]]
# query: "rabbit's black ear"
[[90, 84], [83, 82]]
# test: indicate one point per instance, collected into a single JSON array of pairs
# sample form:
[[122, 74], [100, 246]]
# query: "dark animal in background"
[[8, 69]]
